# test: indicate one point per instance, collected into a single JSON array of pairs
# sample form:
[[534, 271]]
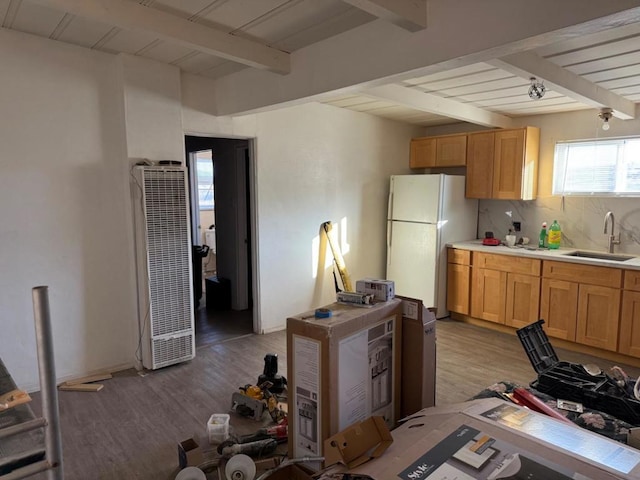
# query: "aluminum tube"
[[47, 370], [27, 471]]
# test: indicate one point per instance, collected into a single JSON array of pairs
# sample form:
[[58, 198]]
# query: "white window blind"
[[597, 167]]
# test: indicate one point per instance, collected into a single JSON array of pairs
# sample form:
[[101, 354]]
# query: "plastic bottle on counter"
[[542, 242], [555, 235]]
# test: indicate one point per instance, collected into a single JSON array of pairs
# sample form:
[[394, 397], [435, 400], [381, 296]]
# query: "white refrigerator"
[[425, 213]]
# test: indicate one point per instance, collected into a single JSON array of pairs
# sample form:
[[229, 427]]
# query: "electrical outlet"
[[516, 226]]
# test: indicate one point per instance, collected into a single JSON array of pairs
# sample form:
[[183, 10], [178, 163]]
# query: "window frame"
[[558, 184]]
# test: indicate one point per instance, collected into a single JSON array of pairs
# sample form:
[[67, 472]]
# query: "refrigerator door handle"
[[389, 241], [390, 206]]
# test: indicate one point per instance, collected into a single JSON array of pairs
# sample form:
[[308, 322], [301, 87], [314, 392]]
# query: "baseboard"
[[32, 388]]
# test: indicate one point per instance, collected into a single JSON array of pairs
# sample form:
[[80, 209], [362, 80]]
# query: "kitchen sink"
[[600, 256]]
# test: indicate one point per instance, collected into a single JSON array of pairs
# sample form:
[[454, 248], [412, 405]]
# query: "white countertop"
[[531, 251]]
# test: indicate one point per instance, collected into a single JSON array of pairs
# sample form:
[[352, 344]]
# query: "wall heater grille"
[[164, 266]]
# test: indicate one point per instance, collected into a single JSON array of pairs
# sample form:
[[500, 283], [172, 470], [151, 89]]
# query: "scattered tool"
[[257, 448], [240, 467], [270, 374], [252, 401], [337, 259]]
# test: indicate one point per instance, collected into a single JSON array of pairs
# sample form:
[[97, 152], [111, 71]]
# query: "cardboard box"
[[342, 370], [189, 453], [383, 290], [291, 472], [418, 356], [491, 439], [358, 444]]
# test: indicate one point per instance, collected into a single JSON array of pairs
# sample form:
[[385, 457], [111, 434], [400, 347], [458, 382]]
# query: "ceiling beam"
[[408, 14], [428, 102], [569, 84], [133, 16], [378, 53]]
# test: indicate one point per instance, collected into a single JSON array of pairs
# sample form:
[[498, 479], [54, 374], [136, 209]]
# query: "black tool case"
[[571, 381]]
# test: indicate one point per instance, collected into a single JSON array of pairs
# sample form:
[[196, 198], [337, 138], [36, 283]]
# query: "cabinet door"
[[559, 308], [488, 292], [598, 316], [480, 153], [451, 151], [458, 288], [630, 324], [508, 164], [423, 153], [523, 300]]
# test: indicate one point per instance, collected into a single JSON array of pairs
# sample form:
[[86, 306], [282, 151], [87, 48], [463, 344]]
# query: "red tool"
[[529, 400]]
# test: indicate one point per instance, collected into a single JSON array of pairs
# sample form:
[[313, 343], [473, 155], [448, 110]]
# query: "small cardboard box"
[[418, 356], [342, 370], [383, 290], [291, 472], [491, 438], [189, 453], [358, 444]]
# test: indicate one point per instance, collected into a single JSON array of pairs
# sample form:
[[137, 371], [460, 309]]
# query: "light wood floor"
[[131, 428]]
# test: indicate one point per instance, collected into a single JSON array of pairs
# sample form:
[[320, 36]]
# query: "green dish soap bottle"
[[555, 235], [542, 241]]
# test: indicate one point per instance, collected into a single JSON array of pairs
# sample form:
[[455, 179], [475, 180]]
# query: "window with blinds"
[[597, 167]]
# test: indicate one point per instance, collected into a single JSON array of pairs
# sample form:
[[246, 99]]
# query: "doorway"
[[221, 202]]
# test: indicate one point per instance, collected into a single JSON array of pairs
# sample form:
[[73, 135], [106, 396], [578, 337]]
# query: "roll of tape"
[[323, 313]]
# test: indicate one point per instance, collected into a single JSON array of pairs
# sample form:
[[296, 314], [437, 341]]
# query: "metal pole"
[[47, 369]]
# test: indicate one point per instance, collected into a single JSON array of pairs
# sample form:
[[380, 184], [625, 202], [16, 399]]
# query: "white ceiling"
[[216, 38]]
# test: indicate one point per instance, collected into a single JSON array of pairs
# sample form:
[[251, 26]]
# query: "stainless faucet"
[[612, 237]]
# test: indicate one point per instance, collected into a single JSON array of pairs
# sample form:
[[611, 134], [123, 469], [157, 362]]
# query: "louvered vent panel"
[[174, 349], [168, 251]]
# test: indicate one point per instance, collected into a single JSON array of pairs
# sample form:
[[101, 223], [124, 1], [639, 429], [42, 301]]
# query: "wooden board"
[[89, 379], [82, 387], [13, 398]]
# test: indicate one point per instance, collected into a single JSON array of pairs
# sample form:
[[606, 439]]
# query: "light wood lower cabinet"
[[629, 342], [488, 294], [458, 280], [559, 308], [598, 314], [523, 300], [458, 277]]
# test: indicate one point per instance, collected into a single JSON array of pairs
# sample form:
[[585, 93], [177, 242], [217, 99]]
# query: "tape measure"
[[323, 313]]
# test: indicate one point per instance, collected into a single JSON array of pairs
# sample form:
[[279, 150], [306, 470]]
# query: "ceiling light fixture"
[[537, 89], [605, 115]]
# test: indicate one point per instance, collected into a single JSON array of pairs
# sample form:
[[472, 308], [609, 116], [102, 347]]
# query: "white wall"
[[63, 205], [77, 119], [317, 163]]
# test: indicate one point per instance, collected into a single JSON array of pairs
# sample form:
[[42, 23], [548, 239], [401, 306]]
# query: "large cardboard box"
[[492, 439], [418, 356], [342, 370]]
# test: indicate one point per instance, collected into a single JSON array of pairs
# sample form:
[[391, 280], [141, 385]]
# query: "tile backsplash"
[[581, 220]]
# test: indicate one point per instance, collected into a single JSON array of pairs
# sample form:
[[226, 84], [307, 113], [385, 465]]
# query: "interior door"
[[412, 259], [415, 198]]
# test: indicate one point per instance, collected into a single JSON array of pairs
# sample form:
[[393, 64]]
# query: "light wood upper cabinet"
[[480, 148], [451, 151], [444, 151], [506, 169], [423, 153]]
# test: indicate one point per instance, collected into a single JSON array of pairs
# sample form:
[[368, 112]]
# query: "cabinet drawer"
[[632, 280], [506, 263], [571, 272], [461, 257]]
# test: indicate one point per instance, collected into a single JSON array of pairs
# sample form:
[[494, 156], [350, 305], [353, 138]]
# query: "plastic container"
[[555, 235], [572, 381], [542, 241], [218, 427]]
